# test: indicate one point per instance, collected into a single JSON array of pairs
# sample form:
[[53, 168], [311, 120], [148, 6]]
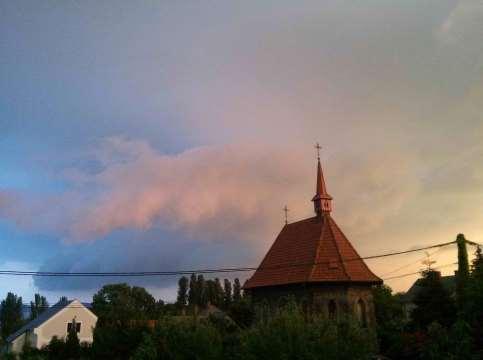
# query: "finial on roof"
[[286, 210], [322, 200], [318, 147]]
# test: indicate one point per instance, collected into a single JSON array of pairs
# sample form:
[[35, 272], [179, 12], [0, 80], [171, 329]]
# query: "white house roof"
[[43, 317]]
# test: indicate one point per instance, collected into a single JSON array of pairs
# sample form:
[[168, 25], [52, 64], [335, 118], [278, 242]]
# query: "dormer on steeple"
[[322, 200]]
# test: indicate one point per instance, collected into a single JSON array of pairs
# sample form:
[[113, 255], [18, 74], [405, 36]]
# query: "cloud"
[[207, 190], [215, 192], [136, 209], [463, 23]]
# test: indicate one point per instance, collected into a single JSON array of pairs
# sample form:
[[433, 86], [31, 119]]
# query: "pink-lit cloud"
[[215, 193]]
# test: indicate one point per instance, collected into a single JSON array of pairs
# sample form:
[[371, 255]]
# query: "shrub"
[[288, 335]]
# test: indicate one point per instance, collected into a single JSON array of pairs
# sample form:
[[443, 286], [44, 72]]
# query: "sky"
[[147, 136]]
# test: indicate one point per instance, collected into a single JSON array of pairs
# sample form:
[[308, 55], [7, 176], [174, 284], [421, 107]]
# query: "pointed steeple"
[[322, 200]]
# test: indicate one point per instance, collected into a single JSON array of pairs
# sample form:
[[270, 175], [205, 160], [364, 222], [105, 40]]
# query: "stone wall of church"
[[332, 301], [336, 301]]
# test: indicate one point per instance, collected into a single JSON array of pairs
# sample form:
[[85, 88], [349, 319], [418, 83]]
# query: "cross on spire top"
[[318, 147], [286, 210]]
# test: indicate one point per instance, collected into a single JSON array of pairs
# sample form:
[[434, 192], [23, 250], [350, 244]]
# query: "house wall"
[[57, 325], [17, 345]]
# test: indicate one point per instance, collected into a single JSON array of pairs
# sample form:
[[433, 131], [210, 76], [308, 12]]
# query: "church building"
[[313, 261]]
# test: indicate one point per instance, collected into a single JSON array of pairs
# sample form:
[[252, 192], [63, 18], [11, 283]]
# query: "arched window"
[[361, 312], [332, 310]]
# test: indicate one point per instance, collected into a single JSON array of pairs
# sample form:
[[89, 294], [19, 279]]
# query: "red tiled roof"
[[313, 250]]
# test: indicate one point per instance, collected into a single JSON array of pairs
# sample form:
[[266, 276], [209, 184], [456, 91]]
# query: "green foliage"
[[227, 290], [389, 318], [433, 303], [237, 296], [11, 314], [461, 341], [63, 299], [211, 295], [202, 299], [452, 344], [27, 350], [474, 298], [8, 356], [115, 341], [72, 345], [242, 312], [179, 340], [121, 303], [438, 344], [146, 350], [55, 349], [477, 264], [219, 293], [38, 306], [122, 311], [193, 298], [201, 292], [288, 335], [182, 298]]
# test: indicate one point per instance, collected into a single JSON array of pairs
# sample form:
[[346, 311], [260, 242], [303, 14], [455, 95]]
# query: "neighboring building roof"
[[448, 282], [39, 320], [313, 250]]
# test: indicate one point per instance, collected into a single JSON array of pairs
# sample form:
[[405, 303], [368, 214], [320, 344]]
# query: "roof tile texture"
[[311, 250]]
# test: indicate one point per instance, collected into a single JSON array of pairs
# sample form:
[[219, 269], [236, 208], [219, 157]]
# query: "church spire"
[[322, 200]]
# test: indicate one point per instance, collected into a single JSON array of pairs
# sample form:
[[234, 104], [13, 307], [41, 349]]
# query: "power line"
[[473, 243], [205, 271], [409, 264], [418, 272]]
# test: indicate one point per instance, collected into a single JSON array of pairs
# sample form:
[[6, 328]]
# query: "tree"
[[38, 306], [201, 286], [182, 298], [72, 345], [477, 265], [442, 343], [193, 291], [242, 312], [389, 318], [114, 341], [146, 350], [433, 302], [474, 297], [211, 292], [11, 314], [123, 303], [227, 293], [219, 293], [237, 290], [56, 348], [288, 334], [188, 339]]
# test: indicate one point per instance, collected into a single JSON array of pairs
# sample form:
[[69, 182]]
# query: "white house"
[[55, 321]]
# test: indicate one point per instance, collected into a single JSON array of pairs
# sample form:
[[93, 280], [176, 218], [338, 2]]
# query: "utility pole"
[[463, 272]]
